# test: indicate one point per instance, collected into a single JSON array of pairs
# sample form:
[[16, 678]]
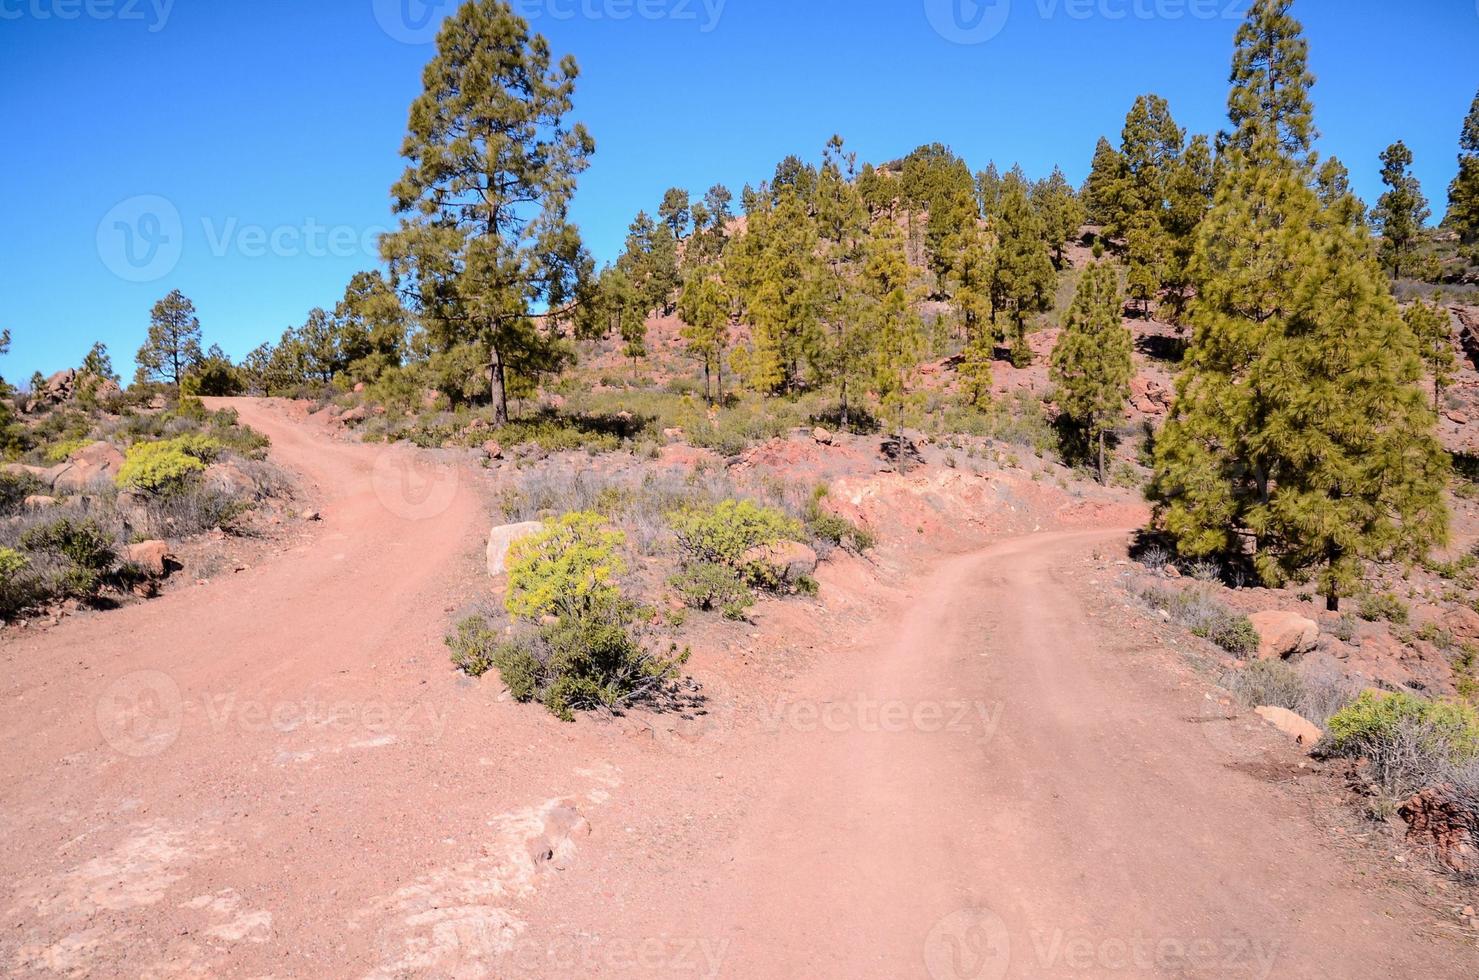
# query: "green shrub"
[[723, 532], [834, 529], [569, 568], [1374, 607], [1235, 634], [14, 489], [86, 550], [708, 585], [1374, 723], [62, 451], [472, 646], [18, 589], [157, 467], [586, 652]]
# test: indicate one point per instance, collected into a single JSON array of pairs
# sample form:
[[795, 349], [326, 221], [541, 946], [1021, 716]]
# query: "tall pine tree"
[[486, 238], [1401, 211], [1092, 361], [1300, 437]]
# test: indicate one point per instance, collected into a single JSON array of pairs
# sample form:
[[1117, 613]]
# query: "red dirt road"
[[278, 774]]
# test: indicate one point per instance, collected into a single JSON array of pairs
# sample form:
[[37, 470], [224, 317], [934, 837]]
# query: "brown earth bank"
[[970, 757]]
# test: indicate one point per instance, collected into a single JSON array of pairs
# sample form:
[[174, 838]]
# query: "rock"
[[1303, 731], [355, 415], [672, 435], [492, 449], [228, 477], [159, 403], [1282, 634], [1437, 817], [789, 559], [311, 515], [359, 386], [821, 436], [1457, 417], [154, 557], [43, 475], [89, 466], [1462, 622], [39, 502], [501, 538], [1171, 571]]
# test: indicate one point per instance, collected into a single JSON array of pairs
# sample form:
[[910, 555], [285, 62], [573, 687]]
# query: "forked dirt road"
[[278, 774]]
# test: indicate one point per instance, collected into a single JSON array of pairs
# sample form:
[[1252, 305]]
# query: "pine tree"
[[1151, 145], [1333, 187], [374, 324], [1271, 82], [1104, 192], [775, 271], [1145, 252], [675, 212], [1092, 362], [842, 227], [486, 238], [1300, 435], [895, 326], [173, 344], [704, 308], [1022, 278], [650, 263], [1061, 211], [1433, 333], [1463, 193], [972, 276], [1400, 212], [1189, 196]]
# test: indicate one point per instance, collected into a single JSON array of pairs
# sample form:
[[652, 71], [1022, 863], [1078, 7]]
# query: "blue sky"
[[270, 130]]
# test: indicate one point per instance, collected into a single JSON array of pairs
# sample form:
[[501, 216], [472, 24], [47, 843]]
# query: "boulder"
[[43, 475], [1282, 634], [227, 476], [1301, 729], [501, 538], [492, 449], [789, 559], [1442, 819], [354, 416], [88, 466], [39, 501], [1462, 622], [154, 557], [821, 436]]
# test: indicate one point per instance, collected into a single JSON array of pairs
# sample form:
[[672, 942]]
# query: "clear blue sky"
[[259, 122]]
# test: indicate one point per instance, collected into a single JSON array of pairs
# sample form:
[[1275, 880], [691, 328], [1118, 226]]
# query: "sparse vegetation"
[[1409, 743], [1204, 616], [578, 642]]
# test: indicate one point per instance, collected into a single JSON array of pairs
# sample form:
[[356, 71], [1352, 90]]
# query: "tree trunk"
[[842, 419], [1332, 602], [498, 389], [1101, 458], [708, 386]]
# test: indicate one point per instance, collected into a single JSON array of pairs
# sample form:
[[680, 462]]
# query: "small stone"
[[311, 515]]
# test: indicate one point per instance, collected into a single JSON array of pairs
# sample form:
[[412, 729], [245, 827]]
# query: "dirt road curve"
[[277, 774]]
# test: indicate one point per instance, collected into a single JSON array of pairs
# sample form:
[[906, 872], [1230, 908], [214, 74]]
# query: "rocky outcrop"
[[88, 467], [1282, 634], [500, 539], [1448, 821], [1297, 727]]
